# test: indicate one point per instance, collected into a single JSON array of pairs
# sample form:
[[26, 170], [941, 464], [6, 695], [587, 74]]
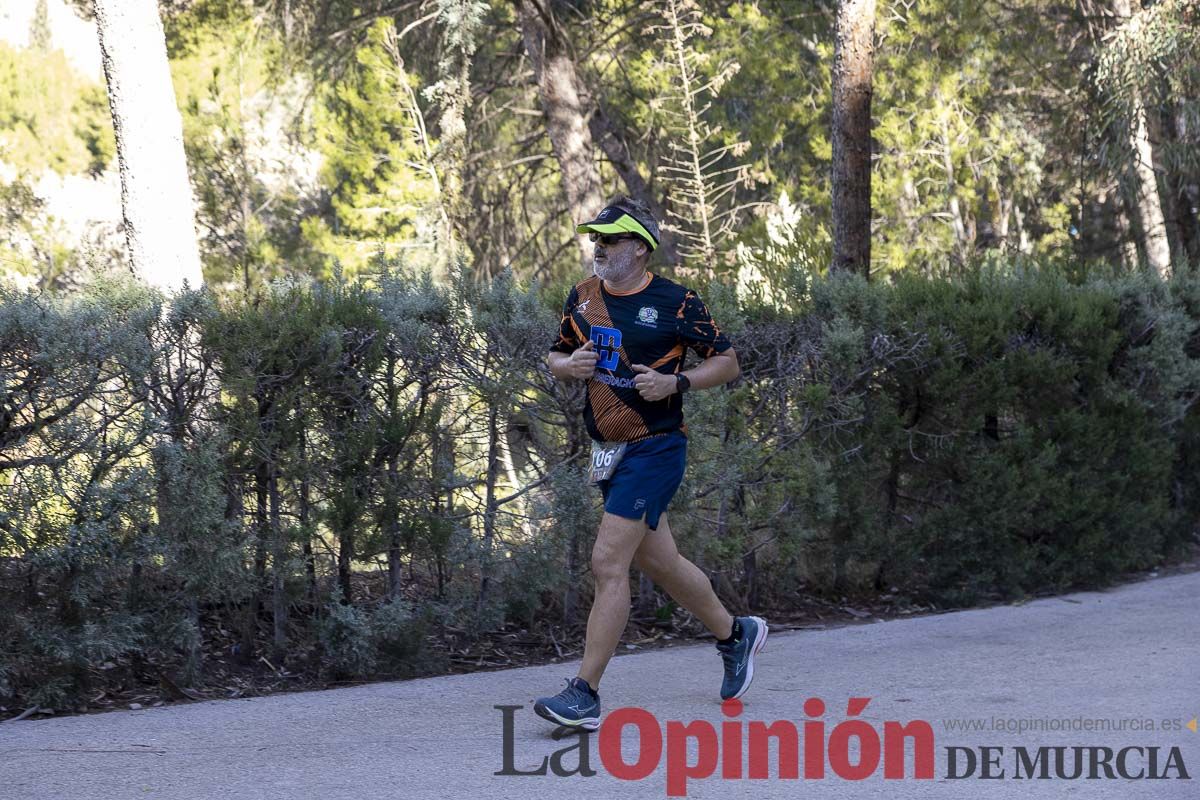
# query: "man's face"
[[619, 261]]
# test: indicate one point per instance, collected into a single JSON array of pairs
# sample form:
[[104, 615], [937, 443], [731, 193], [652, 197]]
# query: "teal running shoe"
[[574, 706], [739, 656]]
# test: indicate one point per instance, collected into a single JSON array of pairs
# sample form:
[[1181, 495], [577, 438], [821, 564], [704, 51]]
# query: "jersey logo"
[[648, 315], [608, 341], [582, 307]]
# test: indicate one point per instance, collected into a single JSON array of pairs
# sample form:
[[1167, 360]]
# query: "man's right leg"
[[616, 542], [612, 554], [686, 583]]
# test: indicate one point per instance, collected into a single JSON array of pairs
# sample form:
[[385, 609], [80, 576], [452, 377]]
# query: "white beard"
[[614, 272]]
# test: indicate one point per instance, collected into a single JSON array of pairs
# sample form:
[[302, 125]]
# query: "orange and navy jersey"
[[651, 325]]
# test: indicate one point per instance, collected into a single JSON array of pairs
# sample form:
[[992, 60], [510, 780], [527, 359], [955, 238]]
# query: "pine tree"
[[39, 28], [702, 170], [462, 22], [383, 191]]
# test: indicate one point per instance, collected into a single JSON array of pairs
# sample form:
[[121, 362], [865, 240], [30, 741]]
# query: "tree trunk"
[[566, 119], [279, 558], [310, 561], [1189, 182], [1181, 207], [489, 512], [958, 223], [156, 195], [987, 239], [1146, 198], [853, 61], [395, 563], [254, 607], [514, 481], [1123, 212], [344, 555], [1143, 182], [442, 459]]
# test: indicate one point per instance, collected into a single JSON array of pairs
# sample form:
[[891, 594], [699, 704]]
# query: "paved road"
[[1132, 653]]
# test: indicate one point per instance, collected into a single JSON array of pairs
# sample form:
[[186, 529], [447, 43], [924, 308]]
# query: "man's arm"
[[716, 370], [697, 331], [558, 363], [569, 356], [579, 365]]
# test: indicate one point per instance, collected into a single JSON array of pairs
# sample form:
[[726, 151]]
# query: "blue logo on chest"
[[608, 341]]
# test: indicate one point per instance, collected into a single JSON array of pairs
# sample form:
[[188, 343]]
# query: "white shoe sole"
[[760, 641]]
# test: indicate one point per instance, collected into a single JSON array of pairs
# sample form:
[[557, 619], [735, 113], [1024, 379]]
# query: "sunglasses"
[[609, 239]]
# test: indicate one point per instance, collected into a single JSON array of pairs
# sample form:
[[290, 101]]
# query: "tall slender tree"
[[561, 94], [156, 195], [853, 62], [702, 168], [462, 25], [1134, 123], [39, 27]]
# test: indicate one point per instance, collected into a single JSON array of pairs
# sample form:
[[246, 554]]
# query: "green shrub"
[[398, 632], [347, 645]]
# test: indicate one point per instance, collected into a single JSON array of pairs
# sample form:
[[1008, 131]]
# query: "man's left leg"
[[686, 583], [690, 587]]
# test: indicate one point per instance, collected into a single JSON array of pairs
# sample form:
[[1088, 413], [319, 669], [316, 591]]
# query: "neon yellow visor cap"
[[617, 220]]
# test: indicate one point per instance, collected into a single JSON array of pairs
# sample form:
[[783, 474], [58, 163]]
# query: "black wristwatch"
[[682, 383]]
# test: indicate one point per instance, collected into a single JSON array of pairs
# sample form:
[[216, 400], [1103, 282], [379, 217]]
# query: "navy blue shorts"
[[646, 478]]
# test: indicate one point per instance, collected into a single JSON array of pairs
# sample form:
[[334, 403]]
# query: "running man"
[[624, 330]]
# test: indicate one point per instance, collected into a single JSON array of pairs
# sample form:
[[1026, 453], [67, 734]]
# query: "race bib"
[[605, 457]]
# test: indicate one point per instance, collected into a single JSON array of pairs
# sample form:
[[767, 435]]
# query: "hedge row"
[[328, 469]]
